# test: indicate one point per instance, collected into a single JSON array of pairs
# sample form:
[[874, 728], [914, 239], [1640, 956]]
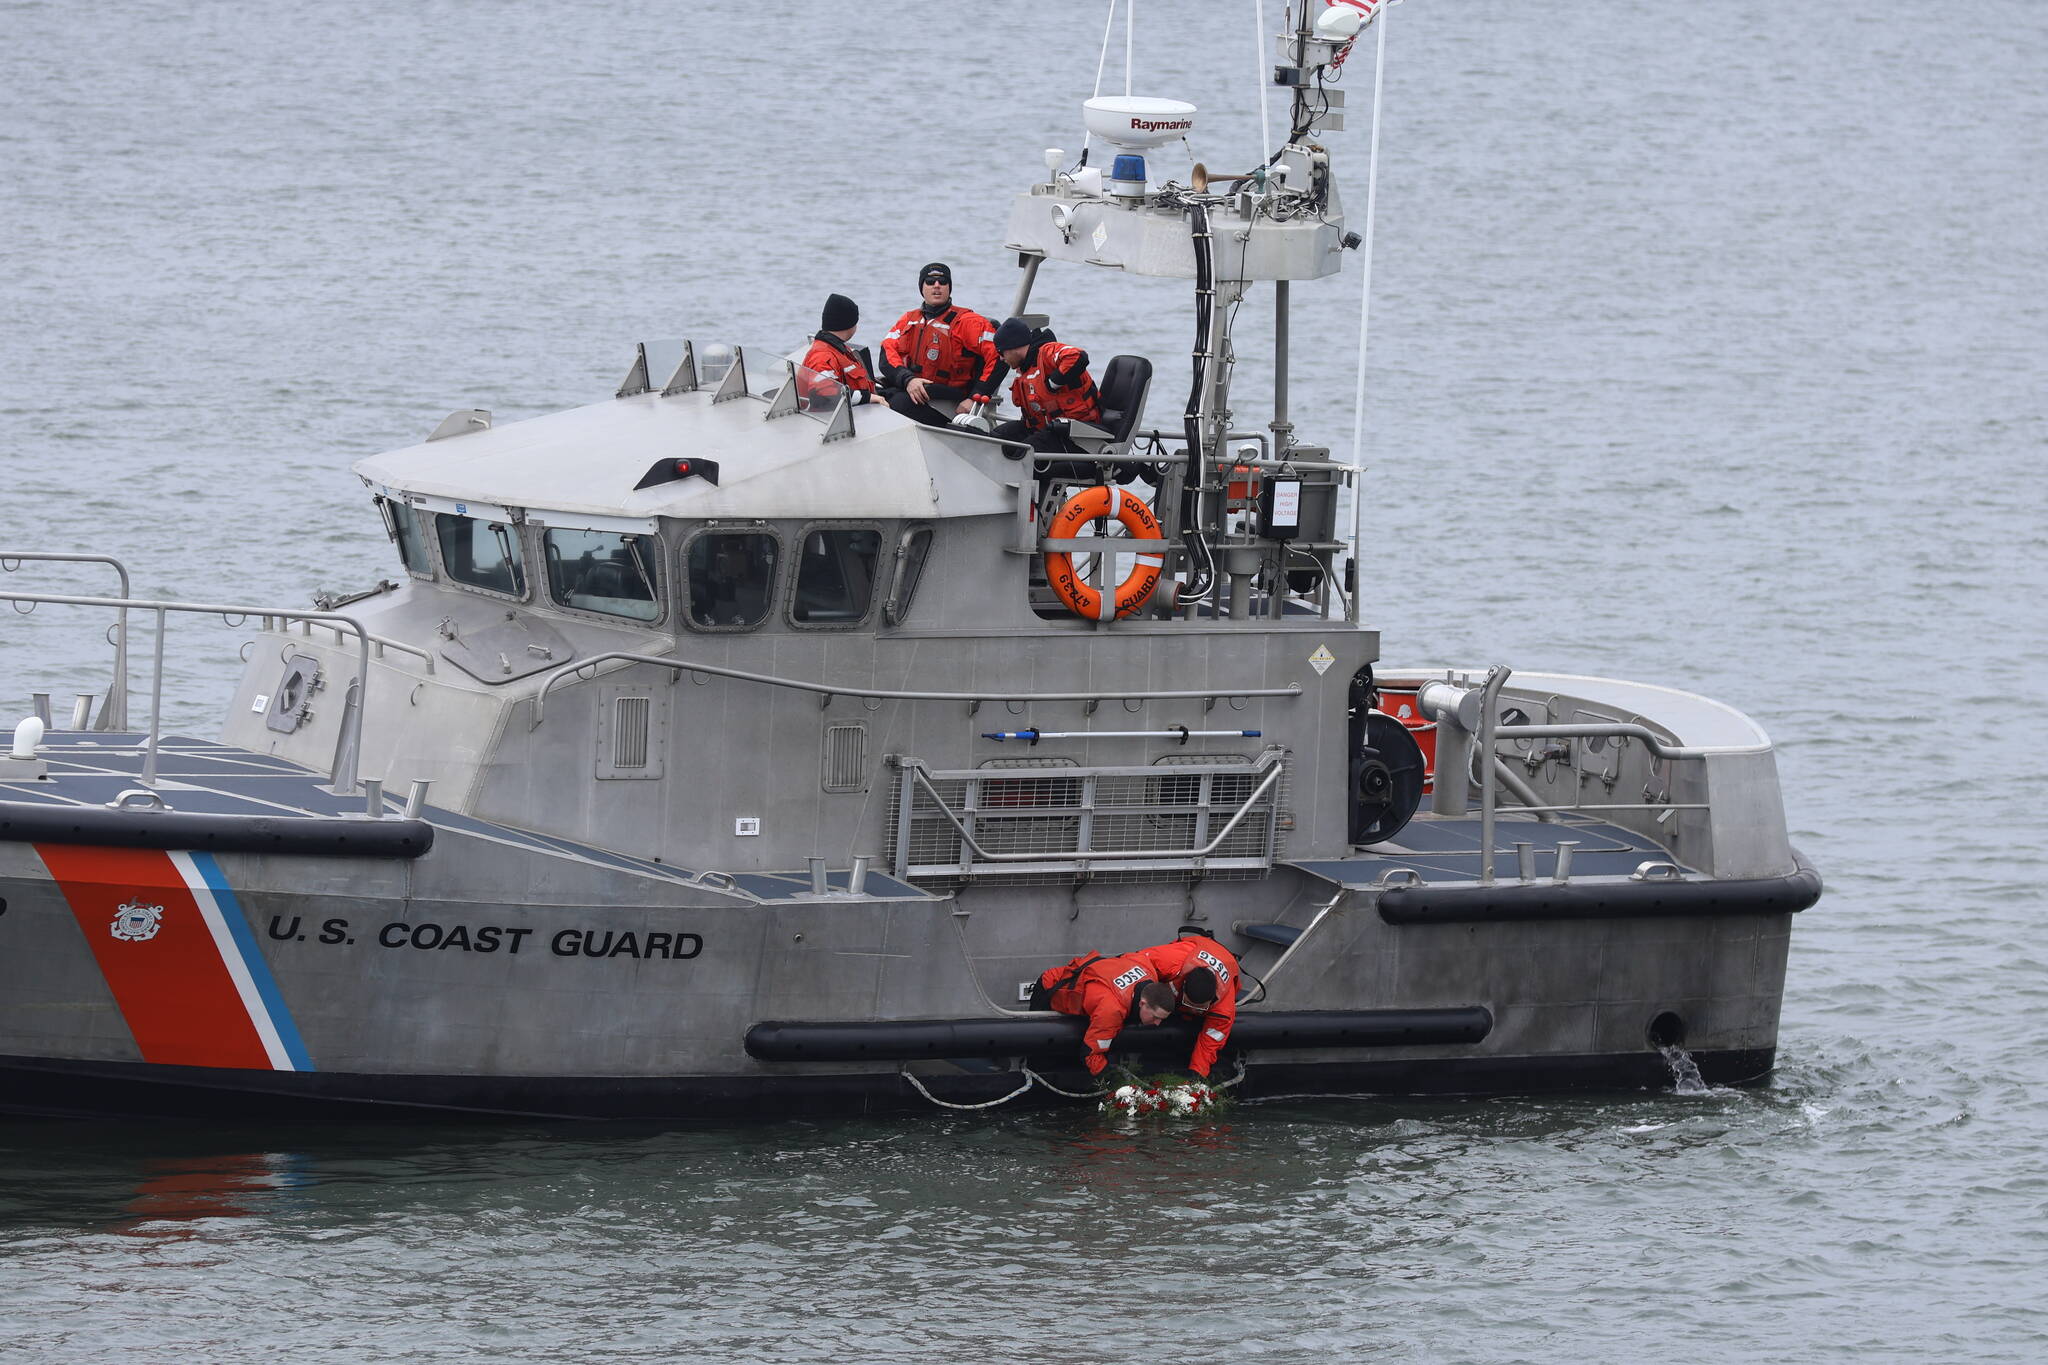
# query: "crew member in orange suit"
[[832, 364], [1110, 992], [938, 352], [1052, 385], [1203, 975]]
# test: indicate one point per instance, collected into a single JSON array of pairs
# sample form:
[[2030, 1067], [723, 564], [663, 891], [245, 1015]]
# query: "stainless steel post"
[[819, 885], [1031, 264], [114, 715], [416, 798], [857, 879], [1282, 428], [1489, 776], [156, 705], [1564, 860]]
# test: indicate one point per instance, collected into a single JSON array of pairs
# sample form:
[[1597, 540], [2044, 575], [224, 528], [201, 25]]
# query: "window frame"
[[517, 530], [875, 594], [687, 618], [655, 561], [428, 548], [902, 594]]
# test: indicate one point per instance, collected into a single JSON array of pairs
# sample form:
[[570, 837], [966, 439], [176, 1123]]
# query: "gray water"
[[1706, 349]]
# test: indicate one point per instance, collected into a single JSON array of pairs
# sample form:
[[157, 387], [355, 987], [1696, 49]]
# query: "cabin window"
[[910, 558], [731, 577], [835, 576], [403, 524], [482, 554], [602, 571]]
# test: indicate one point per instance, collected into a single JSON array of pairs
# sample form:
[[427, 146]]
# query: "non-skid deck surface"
[[1448, 850], [206, 778]]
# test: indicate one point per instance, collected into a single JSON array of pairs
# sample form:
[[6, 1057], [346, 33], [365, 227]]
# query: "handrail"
[[1657, 745], [1489, 772], [917, 771], [884, 694], [380, 642], [343, 775], [114, 715], [1494, 772]]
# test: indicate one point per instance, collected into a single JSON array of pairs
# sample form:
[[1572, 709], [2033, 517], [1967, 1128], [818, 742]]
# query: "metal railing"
[[588, 668], [343, 775], [1192, 817], [1487, 732], [114, 714]]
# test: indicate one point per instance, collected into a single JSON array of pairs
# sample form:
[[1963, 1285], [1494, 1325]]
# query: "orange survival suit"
[[1102, 988], [1172, 962], [952, 348], [832, 365], [1054, 384]]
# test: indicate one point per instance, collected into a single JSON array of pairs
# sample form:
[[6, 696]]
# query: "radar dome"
[[1137, 123]]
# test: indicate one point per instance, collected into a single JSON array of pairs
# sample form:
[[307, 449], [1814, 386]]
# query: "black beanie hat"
[[939, 268], [841, 313], [1013, 333]]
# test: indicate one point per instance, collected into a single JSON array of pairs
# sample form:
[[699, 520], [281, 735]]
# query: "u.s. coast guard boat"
[[723, 751]]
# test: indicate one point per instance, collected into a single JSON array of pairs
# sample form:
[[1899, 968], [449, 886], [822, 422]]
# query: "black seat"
[[1121, 396], [1125, 382]]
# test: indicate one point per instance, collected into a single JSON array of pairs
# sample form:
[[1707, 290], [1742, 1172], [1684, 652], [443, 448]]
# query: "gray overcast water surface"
[[1707, 350]]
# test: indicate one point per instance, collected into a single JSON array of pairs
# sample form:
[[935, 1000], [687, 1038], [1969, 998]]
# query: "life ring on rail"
[[1103, 500]]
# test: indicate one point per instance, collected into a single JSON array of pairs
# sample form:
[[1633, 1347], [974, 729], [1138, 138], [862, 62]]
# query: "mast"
[[1279, 222]]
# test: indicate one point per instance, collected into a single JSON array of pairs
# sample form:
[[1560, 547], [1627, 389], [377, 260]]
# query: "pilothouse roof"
[[587, 460]]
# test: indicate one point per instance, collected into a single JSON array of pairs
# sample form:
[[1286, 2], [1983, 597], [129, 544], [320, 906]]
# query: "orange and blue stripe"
[[197, 992]]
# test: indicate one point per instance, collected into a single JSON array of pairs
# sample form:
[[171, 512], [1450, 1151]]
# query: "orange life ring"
[[1103, 500]]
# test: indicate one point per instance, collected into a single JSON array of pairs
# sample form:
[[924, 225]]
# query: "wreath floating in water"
[[1178, 1098]]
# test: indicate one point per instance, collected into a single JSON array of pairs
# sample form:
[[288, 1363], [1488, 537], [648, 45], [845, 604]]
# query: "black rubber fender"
[[915, 1039], [320, 836]]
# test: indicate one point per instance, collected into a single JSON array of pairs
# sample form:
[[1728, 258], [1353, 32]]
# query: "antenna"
[[1372, 191], [1259, 65], [1108, 27], [1130, 25]]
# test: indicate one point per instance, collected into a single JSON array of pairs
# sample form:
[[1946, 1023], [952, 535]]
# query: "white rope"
[[1069, 1094], [1033, 1078], [1372, 191], [948, 1104]]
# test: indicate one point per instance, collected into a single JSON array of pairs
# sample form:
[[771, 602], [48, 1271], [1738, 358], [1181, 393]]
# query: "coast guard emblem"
[[135, 922]]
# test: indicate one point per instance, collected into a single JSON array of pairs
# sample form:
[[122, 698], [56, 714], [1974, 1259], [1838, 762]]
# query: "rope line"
[[948, 1104], [1032, 1078], [1068, 1094]]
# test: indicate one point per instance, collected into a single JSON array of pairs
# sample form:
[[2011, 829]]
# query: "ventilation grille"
[[632, 723], [629, 733], [846, 758]]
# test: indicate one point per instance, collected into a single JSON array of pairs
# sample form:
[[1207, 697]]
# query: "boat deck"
[[204, 777], [1447, 850]]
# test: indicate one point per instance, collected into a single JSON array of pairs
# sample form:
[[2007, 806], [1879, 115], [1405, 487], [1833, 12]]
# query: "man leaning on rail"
[[1203, 974], [1109, 992]]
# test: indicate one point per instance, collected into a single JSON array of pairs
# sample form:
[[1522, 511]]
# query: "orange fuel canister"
[[1404, 707]]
